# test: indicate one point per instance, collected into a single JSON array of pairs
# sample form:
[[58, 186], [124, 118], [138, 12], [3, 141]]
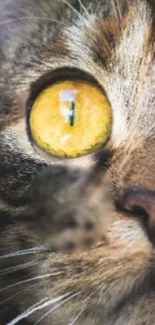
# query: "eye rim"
[[56, 76]]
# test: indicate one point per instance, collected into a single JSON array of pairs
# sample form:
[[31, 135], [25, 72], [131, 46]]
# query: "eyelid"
[[61, 74]]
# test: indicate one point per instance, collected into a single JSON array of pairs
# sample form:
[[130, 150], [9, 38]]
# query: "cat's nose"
[[142, 200]]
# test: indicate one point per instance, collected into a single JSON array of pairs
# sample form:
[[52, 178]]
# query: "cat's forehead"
[[119, 52]]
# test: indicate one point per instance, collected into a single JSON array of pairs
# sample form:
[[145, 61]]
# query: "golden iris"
[[71, 119]]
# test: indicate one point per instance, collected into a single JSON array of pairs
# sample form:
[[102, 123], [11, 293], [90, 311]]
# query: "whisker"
[[40, 305], [32, 18], [17, 267], [87, 14], [115, 10], [56, 307], [84, 8], [25, 252], [119, 10], [45, 276], [97, 8], [83, 309], [18, 293], [81, 17], [72, 8], [76, 318]]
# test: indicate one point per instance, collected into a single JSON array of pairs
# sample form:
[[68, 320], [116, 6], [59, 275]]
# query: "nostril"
[[141, 200]]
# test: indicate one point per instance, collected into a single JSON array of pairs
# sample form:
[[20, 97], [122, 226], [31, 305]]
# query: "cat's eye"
[[70, 118]]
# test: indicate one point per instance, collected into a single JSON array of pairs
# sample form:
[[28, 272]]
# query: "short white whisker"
[[85, 10], [76, 318], [36, 278], [38, 306], [32, 250], [18, 293], [17, 267], [73, 9], [56, 307], [32, 18], [119, 9], [115, 10], [83, 309]]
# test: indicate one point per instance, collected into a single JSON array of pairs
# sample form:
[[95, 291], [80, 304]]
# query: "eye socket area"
[[70, 118]]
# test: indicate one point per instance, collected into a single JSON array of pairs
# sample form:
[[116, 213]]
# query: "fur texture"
[[77, 236]]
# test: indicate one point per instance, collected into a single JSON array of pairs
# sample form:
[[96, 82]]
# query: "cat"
[[77, 212]]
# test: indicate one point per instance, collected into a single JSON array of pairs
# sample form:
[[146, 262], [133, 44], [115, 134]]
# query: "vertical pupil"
[[72, 115]]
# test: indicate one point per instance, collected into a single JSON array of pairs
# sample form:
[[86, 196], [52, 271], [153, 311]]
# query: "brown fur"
[[69, 227]]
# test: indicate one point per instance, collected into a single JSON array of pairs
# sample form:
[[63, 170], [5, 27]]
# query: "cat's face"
[[77, 235]]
